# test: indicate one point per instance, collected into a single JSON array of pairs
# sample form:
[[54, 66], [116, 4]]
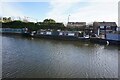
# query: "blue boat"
[[20, 31], [113, 38]]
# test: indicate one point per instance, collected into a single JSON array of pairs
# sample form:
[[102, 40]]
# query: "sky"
[[77, 10]]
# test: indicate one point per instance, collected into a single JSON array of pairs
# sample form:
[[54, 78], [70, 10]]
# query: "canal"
[[42, 58]]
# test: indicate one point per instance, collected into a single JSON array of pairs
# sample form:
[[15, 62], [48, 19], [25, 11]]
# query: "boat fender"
[[107, 42]]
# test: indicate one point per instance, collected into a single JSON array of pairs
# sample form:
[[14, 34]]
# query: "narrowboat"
[[61, 35]]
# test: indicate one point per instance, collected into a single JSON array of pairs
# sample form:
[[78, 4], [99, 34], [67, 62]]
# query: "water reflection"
[[37, 58]]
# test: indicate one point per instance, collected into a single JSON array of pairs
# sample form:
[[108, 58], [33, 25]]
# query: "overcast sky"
[[79, 10]]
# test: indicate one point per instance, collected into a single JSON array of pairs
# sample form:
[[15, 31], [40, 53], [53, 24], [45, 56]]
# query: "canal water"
[[43, 58]]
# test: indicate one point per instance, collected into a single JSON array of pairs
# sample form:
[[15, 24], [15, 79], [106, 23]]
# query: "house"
[[78, 25], [104, 27]]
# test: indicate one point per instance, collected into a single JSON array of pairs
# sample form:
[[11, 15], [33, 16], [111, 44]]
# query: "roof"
[[105, 23], [76, 22]]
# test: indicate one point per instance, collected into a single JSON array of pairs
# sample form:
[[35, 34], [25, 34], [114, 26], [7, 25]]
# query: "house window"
[[60, 33], [71, 34], [48, 33], [101, 27], [107, 26], [41, 33]]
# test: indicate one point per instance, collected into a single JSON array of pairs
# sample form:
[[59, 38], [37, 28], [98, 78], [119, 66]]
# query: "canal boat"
[[113, 38], [61, 35], [110, 38], [15, 31]]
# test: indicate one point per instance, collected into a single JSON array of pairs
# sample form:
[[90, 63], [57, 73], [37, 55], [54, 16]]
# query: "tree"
[[0, 18], [9, 19], [49, 21], [4, 18], [47, 24]]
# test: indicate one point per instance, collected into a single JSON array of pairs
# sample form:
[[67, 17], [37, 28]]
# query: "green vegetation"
[[46, 24], [49, 21], [5, 19]]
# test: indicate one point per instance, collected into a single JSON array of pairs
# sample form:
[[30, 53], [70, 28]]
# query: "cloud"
[[102, 11], [59, 9], [8, 10], [119, 14], [59, 0], [0, 9], [24, 0], [97, 10]]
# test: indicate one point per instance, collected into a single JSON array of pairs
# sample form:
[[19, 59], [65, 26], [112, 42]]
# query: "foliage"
[[5, 19], [33, 26], [46, 24], [49, 21]]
